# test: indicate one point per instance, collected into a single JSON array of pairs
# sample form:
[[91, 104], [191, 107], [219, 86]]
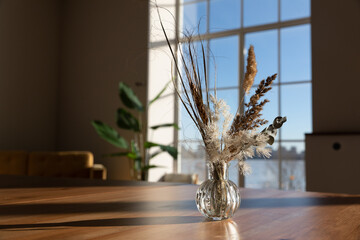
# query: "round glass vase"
[[218, 197]]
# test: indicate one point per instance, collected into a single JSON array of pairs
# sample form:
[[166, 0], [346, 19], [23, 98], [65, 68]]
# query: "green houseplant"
[[137, 151]]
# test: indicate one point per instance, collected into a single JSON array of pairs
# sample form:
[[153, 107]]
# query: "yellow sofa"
[[51, 164]]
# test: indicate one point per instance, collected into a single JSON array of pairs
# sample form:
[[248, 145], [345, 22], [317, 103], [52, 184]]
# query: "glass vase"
[[218, 198]]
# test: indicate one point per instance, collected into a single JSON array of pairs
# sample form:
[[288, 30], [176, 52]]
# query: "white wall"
[[160, 73], [161, 111]]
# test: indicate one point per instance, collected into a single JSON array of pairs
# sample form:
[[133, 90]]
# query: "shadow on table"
[[9, 181], [161, 206], [112, 222], [96, 207], [298, 202]]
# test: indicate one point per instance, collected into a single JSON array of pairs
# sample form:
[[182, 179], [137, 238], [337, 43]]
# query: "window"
[[280, 32]]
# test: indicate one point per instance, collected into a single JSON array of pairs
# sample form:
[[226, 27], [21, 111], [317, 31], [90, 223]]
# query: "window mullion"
[[176, 163], [241, 91], [279, 95]]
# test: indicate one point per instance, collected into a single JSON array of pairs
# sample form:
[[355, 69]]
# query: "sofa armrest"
[[98, 171]]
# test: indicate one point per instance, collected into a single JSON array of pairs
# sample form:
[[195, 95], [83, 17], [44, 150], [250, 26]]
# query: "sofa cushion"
[[180, 178], [60, 164], [13, 162]]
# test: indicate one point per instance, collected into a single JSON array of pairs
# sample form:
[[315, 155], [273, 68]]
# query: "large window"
[[280, 33]]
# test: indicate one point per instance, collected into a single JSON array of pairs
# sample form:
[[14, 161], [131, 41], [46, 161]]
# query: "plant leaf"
[[155, 154], [126, 120], [166, 148], [150, 144], [147, 167], [130, 155], [129, 98], [159, 94], [119, 154], [170, 150], [109, 134], [166, 125], [135, 150], [133, 156]]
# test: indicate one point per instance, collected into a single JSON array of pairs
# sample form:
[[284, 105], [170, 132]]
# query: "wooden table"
[[158, 211]]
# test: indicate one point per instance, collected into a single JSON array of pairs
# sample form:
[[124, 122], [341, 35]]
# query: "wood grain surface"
[[169, 212]]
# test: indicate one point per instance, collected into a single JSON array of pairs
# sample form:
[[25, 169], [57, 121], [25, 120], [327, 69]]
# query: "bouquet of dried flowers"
[[225, 137]]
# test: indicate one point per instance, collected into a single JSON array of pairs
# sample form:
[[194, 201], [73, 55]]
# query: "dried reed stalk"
[[191, 82]]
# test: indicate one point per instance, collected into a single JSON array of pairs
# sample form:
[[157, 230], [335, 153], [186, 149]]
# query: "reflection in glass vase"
[[218, 197]]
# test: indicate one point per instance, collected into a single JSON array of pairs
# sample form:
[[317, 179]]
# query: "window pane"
[[188, 131], [193, 159], [231, 98], [266, 51], [296, 106], [234, 172], [189, 1], [224, 15], [258, 12], [193, 18], [224, 51], [265, 172], [293, 166], [293, 9], [295, 53]]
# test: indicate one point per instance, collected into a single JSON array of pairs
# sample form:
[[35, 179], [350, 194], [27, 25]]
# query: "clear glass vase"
[[218, 198]]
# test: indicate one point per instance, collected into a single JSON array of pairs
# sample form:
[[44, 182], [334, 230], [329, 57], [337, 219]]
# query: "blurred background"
[[61, 62]]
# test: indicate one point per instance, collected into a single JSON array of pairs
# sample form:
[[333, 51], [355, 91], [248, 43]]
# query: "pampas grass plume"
[[251, 70]]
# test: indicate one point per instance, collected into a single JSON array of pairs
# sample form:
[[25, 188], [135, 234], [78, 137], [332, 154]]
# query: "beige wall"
[[336, 118], [103, 42], [29, 74], [336, 65], [61, 62]]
